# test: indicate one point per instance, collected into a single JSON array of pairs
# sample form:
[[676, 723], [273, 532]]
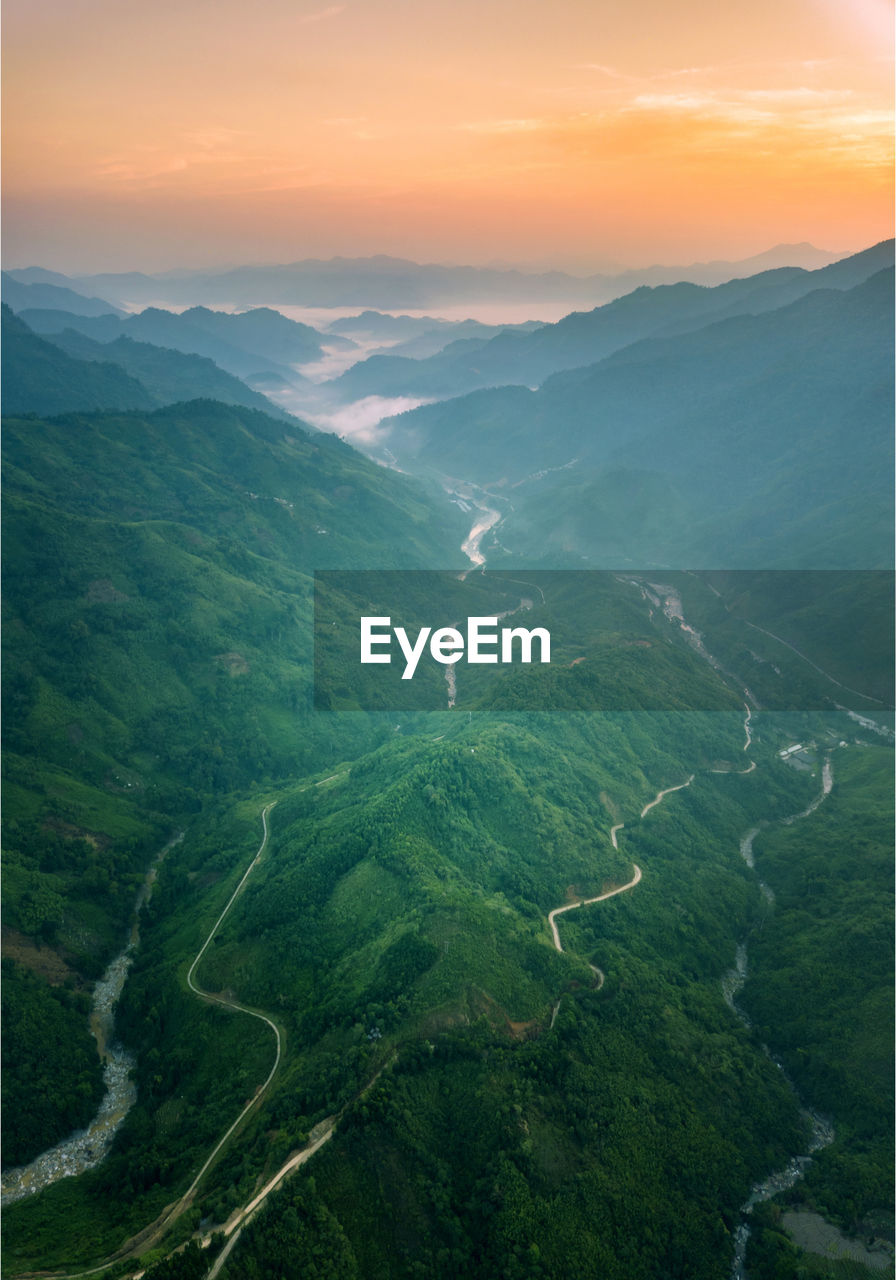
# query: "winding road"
[[610, 893], [240, 1008], [586, 902], [150, 1235], [660, 795]]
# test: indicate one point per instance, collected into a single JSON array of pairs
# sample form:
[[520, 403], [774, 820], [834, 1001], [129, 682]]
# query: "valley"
[[487, 941]]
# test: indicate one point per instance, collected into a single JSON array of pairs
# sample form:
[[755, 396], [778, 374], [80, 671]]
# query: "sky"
[[579, 134]]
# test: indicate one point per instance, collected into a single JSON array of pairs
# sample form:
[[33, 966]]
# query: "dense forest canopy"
[[480, 1095]]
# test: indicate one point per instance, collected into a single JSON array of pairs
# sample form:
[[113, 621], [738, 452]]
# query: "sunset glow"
[[572, 134]]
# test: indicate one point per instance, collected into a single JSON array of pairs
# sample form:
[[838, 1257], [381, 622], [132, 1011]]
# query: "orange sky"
[[564, 132]]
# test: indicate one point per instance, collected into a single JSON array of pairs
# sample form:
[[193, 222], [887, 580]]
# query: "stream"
[[85, 1148], [821, 1129], [470, 546], [674, 613]]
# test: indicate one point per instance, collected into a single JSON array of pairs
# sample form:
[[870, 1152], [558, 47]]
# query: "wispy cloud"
[[212, 153], [613, 73], [214, 138], [321, 15], [361, 420], [524, 125], [790, 122]]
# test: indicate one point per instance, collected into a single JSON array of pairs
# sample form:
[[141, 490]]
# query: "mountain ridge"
[[582, 338], [753, 409], [413, 283]]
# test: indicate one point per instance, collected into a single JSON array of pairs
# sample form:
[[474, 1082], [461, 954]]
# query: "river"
[[470, 546], [821, 1130], [85, 1148], [486, 519]]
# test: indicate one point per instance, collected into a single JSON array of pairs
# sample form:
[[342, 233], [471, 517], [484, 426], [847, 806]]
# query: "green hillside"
[[39, 378], [169, 376], [465, 966], [742, 444], [586, 337], [157, 641], [403, 905]]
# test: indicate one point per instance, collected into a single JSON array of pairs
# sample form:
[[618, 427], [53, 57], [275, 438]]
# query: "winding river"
[[85, 1148], [821, 1129], [470, 546]]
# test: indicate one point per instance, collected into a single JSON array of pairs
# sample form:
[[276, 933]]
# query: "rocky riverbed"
[[87, 1147]]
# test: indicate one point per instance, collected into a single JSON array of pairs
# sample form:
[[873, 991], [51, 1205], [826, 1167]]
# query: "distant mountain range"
[[19, 295], [742, 443], [649, 430], [74, 373], [585, 337], [418, 336], [255, 342], [388, 283]]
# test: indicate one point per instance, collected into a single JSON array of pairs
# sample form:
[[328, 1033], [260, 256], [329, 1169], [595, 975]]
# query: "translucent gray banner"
[[577, 640]]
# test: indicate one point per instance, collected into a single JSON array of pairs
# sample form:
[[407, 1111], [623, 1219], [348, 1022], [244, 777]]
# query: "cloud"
[[766, 131], [524, 125], [214, 138], [604, 70], [199, 148], [360, 420], [332, 11]]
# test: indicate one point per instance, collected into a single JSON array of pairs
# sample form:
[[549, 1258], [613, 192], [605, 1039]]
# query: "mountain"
[[48, 323], [666, 450], [20, 296], [419, 338], [238, 343], [389, 283], [157, 627], [266, 333], [480, 1085], [168, 376], [389, 328], [73, 372], [38, 275], [40, 378], [717, 271], [586, 337]]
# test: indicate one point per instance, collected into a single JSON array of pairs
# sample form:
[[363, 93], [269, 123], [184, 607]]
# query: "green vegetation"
[[620, 1142], [168, 376], [39, 378], [501, 1108], [822, 975], [404, 903], [841, 621], [156, 647], [732, 444], [606, 652], [52, 1082]]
